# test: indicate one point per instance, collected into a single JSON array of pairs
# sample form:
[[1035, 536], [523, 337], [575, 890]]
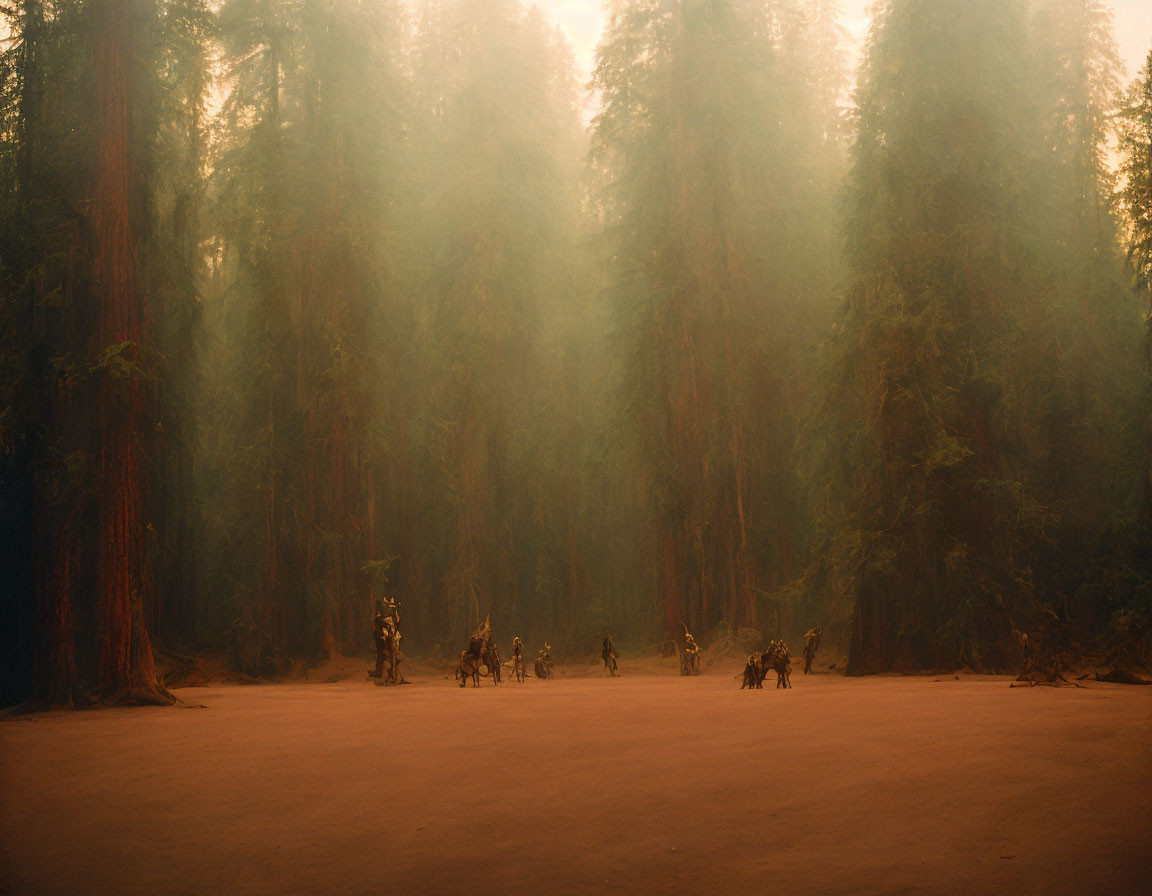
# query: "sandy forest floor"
[[645, 784]]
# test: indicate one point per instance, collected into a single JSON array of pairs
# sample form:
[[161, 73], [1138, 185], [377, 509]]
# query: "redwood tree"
[[126, 665], [714, 158], [939, 488]]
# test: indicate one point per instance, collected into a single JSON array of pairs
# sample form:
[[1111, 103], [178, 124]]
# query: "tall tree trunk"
[[126, 666], [271, 604], [57, 676], [177, 610]]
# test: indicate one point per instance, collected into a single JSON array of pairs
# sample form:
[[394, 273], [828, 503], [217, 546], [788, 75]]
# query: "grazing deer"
[[469, 668], [776, 658]]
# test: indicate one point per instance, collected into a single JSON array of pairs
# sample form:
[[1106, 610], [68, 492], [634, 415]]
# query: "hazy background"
[[368, 303], [583, 21]]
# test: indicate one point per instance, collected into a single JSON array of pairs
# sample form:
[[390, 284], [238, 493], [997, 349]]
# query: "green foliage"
[[494, 145], [716, 156], [1136, 171], [987, 359]]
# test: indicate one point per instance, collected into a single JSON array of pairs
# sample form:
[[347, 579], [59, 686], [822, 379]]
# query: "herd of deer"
[[483, 658]]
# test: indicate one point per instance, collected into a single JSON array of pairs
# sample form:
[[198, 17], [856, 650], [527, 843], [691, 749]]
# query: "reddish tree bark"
[[126, 667], [57, 675]]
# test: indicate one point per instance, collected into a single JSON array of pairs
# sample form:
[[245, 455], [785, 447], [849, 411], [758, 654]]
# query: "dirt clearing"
[[642, 784]]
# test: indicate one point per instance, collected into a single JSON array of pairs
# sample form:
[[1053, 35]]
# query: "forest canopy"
[[304, 303]]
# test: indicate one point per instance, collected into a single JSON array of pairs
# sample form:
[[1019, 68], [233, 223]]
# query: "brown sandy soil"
[[643, 784]]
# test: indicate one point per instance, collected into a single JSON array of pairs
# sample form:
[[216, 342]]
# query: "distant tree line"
[[304, 302]]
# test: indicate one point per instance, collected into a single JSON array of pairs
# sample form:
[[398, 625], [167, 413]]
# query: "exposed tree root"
[[1121, 675], [142, 695]]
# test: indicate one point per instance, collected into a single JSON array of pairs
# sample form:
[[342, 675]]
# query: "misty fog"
[[751, 318]]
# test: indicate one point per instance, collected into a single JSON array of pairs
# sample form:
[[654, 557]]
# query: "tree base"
[[142, 695]]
